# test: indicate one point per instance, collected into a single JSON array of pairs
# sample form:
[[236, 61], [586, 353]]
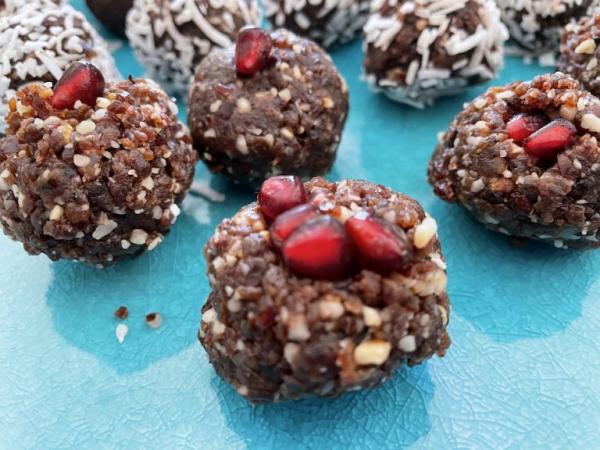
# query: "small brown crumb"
[[122, 313], [153, 320], [130, 78]]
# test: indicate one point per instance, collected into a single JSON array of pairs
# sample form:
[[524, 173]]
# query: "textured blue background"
[[522, 371]]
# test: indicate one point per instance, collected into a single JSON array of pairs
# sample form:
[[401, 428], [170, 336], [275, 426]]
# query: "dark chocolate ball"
[[93, 183], [111, 13], [171, 37], [275, 335], [523, 159], [286, 118], [325, 22], [419, 51]]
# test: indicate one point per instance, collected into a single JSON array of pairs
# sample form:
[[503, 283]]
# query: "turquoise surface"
[[522, 371]]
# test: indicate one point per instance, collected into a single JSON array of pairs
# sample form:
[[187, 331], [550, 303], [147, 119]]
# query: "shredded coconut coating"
[[478, 166], [536, 24], [170, 37], [93, 184], [327, 22], [287, 118], [417, 51], [276, 336], [38, 41]]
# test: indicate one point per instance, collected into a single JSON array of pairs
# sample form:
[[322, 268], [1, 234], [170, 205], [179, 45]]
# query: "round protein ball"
[[419, 51], [171, 37], [38, 42], [92, 183], [111, 13], [285, 118], [325, 22], [524, 160], [579, 52], [323, 288], [535, 25]]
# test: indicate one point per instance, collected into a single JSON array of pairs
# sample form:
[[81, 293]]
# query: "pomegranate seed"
[[319, 249], [278, 194], [381, 246], [81, 81], [550, 140], [289, 221], [522, 126], [252, 51]]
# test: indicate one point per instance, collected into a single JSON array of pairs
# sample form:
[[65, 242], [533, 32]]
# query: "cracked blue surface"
[[522, 371]]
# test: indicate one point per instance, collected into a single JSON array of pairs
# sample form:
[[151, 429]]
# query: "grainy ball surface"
[[416, 52], [478, 165], [277, 336], [287, 118], [9, 6], [536, 24], [326, 22], [93, 184], [112, 13], [170, 37], [579, 52], [38, 42]]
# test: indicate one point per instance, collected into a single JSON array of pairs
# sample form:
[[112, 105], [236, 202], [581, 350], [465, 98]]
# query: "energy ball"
[[38, 42], [535, 25], [111, 13], [273, 104], [344, 285], [170, 37], [523, 159], [90, 172], [419, 51], [579, 53], [325, 22]]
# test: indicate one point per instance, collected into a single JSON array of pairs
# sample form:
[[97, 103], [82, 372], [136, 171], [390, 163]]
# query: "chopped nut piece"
[[372, 353], [153, 320], [122, 313]]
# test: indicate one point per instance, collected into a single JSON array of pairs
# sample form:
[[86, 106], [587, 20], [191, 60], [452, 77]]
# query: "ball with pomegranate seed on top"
[[170, 37], [322, 288], [523, 159], [275, 103], [324, 21], [579, 52], [92, 171], [111, 13], [39, 40], [535, 25], [416, 52]]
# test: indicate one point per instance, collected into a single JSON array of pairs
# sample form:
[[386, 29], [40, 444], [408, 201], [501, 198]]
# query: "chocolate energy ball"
[[535, 25], [579, 52], [524, 160], [92, 173], [170, 37], [38, 42], [322, 288], [324, 21], [111, 13], [419, 51], [286, 117]]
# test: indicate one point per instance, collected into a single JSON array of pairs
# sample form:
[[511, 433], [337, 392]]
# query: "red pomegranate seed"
[[289, 221], [381, 246], [319, 249], [550, 140], [522, 126], [81, 81], [278, 194], [252, 51]]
